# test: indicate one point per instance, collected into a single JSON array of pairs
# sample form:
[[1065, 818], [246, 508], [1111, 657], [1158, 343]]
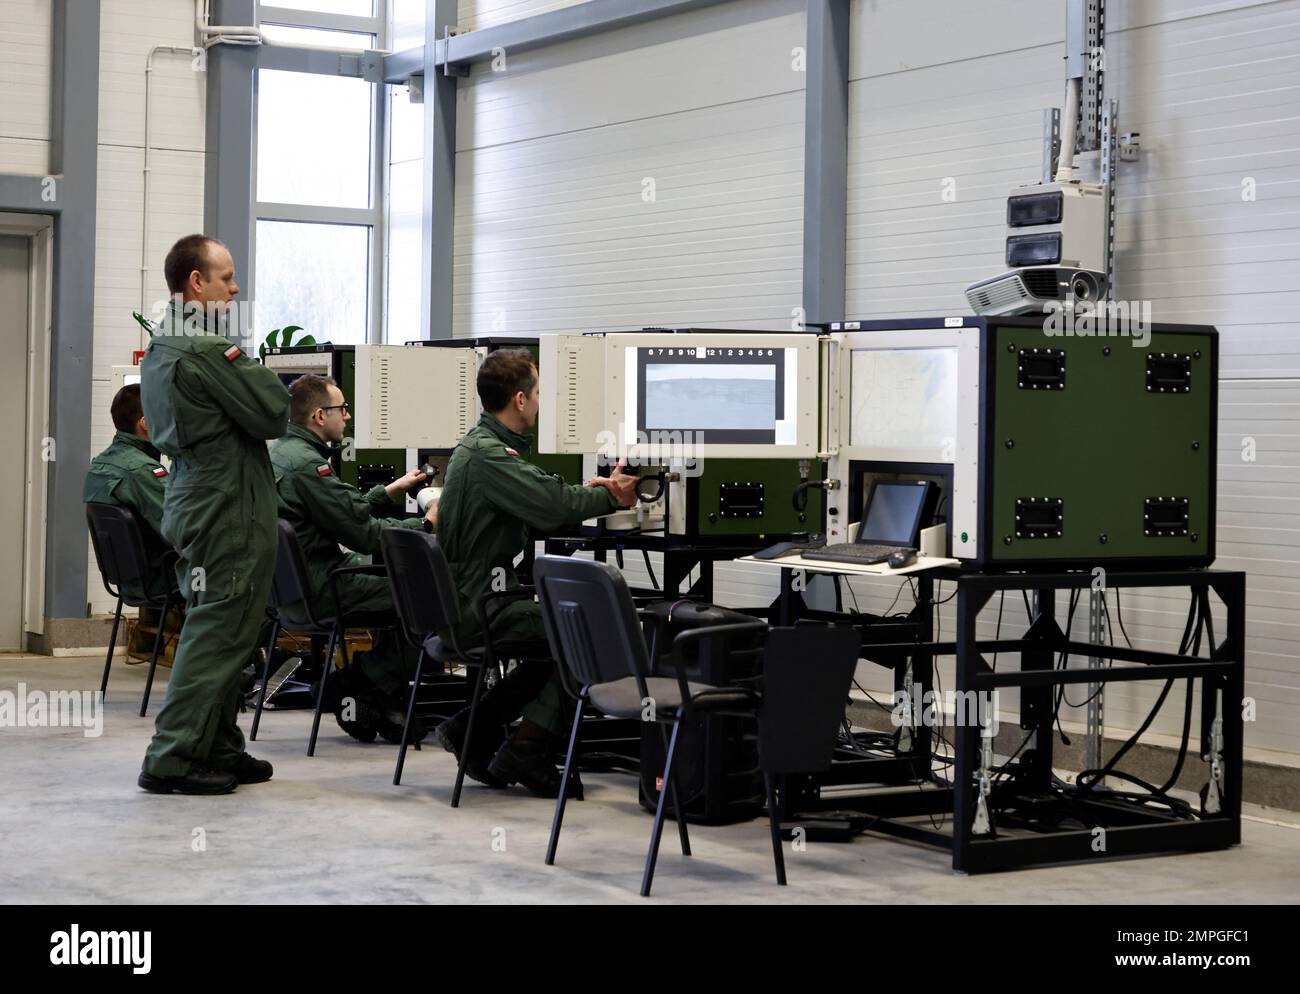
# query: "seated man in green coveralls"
[[128, 474], [327, 513], [494, 503]]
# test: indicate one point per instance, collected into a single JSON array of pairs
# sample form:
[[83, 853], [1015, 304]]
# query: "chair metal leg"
[[564, 781], [112, 644], [419, 659], [774, 820], [153, 660], [469, 735], [266, 676], [647, 878], [320, 697], [410, 717], [678, 813]]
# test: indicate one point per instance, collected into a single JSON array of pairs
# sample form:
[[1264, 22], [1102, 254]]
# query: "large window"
[[314, 275], [404, 216], [315, 139], [319, 193], [349, 8]]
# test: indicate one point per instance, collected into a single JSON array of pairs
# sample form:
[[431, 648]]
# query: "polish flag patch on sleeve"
[[510, 451], [233, 353], [324, 469], [160, 472]]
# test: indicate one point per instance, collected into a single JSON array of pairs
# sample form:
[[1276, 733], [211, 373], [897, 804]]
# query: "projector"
[[1056, 250]]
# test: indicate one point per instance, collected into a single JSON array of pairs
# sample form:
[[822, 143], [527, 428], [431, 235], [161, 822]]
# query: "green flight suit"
[[212, 408], [128, 474], [494, 503], [328, 513]]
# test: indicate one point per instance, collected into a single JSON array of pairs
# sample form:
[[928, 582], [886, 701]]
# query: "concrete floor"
[[333, 829]]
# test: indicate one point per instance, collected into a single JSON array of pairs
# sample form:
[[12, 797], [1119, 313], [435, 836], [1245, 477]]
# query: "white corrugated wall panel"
[[471, 15], [1211, 87], [554, 230], [129, 28], [25, 53]]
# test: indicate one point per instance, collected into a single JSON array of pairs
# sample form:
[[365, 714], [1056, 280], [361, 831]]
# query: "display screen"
[[893, 513], [730, 395], [904, 399]]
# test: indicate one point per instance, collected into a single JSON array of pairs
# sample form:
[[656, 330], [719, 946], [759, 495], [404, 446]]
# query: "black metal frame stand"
[[888, 643], [1129, 829]]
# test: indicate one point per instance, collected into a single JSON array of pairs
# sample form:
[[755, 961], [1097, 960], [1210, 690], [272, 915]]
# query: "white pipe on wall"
[[1069, 131], [148, 148]]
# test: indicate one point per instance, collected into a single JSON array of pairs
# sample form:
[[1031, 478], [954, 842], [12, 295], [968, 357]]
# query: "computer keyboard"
[[852, 552]]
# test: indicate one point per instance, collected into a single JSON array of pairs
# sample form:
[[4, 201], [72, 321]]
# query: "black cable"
[[654, 581], [660, 478], [1062, 659], [1012, 758], [943, 743], [997, 633], [895, 600], [1091, 697], [938, 615], [856, 609], [872, 699], [799, 498], [1119, 616], [1096, 776], [1204, 602]]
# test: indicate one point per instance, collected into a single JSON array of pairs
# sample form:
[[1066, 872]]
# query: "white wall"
[[941, 89], [25, 82], [472, 15], [553, 231], [128, 30]]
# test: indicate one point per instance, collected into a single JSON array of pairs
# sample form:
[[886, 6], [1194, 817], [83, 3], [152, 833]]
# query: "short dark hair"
[[186, 256], [503, 374], [307, 393], [126, 408]]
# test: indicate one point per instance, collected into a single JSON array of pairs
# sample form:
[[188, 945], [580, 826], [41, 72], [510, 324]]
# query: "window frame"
[[374, 216]]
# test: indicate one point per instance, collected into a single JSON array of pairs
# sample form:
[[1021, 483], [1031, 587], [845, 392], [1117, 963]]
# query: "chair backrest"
[[806, 676], [419, 575], [291, 583], [590, 620], [119, 545]]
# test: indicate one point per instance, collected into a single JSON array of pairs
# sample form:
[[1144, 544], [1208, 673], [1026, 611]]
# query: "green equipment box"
[[1093, 449], [752, 498], [1070, 447]]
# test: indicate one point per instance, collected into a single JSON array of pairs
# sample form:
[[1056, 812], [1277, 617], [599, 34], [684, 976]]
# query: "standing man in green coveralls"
[[128, 474], [211, 408], [327, 513], [493, 504]]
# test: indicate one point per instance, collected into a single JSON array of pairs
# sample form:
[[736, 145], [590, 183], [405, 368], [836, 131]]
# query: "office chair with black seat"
[[424, 594], [291, 589], [596, 635], [124, 565]]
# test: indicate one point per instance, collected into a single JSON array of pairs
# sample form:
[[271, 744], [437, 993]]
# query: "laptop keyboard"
[[852, 552]]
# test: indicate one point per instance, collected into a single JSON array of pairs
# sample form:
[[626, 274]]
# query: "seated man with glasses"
[[327, 513]]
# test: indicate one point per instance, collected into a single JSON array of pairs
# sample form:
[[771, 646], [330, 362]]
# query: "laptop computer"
[[891, 522]]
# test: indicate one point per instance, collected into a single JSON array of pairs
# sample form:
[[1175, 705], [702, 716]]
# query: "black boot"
[[200, 780], [249, 770], [528, 759], [353, 712], [450, 734]]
